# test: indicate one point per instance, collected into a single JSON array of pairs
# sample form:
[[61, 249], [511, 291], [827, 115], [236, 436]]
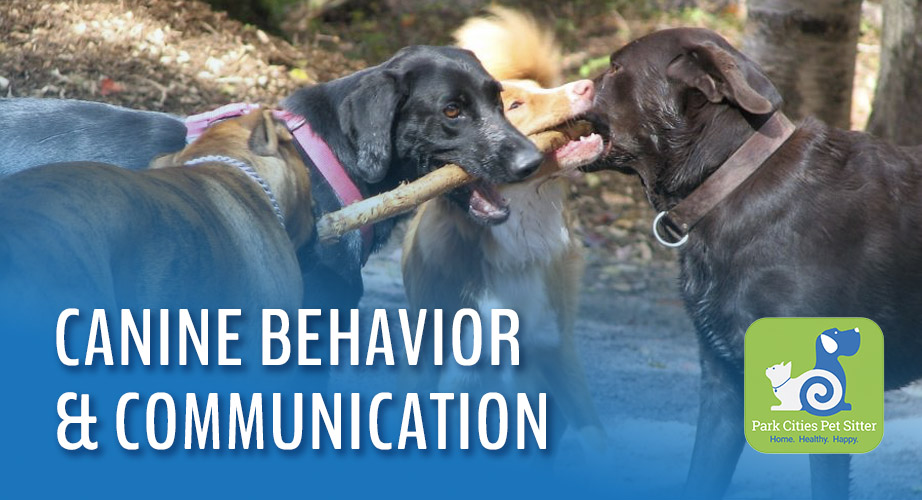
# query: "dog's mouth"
[[578, 152], [573, 144], [600, 128], [484, 202], [568, 146]]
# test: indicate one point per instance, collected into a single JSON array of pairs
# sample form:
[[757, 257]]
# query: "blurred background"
[[854, 64]]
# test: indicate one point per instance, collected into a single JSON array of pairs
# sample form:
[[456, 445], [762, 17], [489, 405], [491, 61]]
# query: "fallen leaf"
[[298, 75], [109, 86]]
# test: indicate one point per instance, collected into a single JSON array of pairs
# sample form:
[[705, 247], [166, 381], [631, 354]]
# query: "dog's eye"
[[514, 105], [452, 110]]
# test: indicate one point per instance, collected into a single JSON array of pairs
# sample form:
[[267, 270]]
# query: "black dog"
[[827, 225], [424, 107]]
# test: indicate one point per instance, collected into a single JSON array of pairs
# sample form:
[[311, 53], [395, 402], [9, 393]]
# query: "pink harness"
[[312, 144]]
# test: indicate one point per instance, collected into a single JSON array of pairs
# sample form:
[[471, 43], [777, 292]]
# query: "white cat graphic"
[[787, 389]]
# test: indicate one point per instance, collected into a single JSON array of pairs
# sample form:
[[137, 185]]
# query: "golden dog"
[[531, 263]]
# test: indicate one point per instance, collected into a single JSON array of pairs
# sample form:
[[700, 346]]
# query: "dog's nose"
[[526, 162], [582, 89]]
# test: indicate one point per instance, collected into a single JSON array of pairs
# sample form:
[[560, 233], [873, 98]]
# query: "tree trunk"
[[808, 50], [898, 98]]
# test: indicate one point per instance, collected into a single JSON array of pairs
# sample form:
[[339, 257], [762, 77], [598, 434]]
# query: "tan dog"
[[202, 233], [532, 263]]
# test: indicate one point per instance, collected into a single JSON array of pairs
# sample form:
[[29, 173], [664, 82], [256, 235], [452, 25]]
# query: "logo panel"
[[814, 385]]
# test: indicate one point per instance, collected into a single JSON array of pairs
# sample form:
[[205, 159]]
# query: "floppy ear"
[[264, 139], [366, 116], [719, 73]]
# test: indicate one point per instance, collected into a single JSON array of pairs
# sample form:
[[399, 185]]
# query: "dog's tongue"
[[487, 204]]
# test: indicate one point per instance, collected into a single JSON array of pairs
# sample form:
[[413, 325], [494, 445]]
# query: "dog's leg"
[[565, 380], [829, 476], [719, 439]]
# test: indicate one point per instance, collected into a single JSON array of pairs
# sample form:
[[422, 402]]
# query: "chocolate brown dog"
[[219, 228], [807, 222]]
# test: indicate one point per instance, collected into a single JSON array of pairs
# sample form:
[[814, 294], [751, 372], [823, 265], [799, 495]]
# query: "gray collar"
[[247, 169]]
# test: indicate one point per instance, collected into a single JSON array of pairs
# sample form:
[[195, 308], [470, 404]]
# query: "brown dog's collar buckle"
[[758, 148], [674, 243]]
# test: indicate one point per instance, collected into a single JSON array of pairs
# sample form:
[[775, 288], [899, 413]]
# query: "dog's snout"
[[525, 162], [581, 89], [580, 94]]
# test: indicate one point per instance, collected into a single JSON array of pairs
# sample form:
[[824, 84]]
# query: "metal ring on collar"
[[662, 240]]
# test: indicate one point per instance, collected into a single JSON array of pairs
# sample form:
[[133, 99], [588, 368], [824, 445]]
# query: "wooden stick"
[[408, 196], [401, 199]]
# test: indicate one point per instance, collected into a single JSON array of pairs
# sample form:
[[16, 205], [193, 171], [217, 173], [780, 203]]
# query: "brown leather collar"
[[739, 166]]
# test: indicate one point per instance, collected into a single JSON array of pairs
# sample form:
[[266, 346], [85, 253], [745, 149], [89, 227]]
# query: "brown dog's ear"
[[719, 73], [264, 140], [164, 160]]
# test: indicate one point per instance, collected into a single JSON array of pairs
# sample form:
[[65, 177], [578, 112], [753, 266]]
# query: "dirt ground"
[[183, 57]]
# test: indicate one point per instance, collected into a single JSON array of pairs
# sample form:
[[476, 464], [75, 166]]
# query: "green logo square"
[[814, 385]]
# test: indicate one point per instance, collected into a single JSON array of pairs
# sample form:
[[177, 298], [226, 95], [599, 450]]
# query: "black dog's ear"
[[720, 74], [366, 116], [264, 139]]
